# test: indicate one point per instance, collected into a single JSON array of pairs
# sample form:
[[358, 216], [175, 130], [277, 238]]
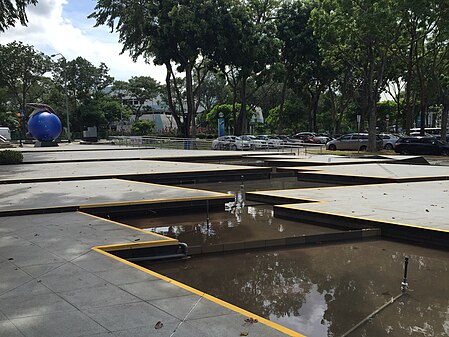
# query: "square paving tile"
[[33, 305], [70, 277], [125, 274], [7, 329], [98, 296], [66, 324], [180, 308], [156, 289], [128, 316]]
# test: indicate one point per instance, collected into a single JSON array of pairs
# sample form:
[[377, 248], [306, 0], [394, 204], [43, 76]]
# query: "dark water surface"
[[235, 187], [236, 224], [238, 221], [326, 290]]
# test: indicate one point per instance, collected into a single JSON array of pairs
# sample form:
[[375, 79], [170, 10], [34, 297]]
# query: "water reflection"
[[324, 291], [240, 222]]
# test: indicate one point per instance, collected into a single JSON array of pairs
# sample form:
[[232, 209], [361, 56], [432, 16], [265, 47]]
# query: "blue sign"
[[221, 126]]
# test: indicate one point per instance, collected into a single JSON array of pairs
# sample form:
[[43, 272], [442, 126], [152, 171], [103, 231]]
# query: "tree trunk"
[[242, 123], [171, 105], [444, 118], [191, 127], [280, 127], [372, 100], [408, 91]]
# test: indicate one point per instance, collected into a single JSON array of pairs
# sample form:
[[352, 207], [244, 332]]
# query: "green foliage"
[[142, 127], [137, 89], [10, 157], [294, 118], [21, 67], [11, 12], [226, 110]]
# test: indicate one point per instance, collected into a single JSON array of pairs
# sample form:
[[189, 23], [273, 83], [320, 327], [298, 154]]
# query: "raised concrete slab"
[[370, 173], [131, 169], [53, 284], [319, 160], [86, 153], [416, 211], [97, 194]]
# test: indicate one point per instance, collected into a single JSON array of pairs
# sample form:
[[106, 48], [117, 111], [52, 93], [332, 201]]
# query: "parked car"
[[353, 141], [321, 138], [254, 142], [230, 143], [421, 145], [388, 140], [286, 140], [305, 137], [271, 141]]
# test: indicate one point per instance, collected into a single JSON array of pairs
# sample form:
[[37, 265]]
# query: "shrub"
[[10, 157]]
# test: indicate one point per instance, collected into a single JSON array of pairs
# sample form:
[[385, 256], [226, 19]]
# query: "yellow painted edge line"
[[204, 295], [153, 201], [296, 207], [104, 250], [128, 226]]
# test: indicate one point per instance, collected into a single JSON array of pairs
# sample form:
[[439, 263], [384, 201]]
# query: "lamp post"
[[66, 95]]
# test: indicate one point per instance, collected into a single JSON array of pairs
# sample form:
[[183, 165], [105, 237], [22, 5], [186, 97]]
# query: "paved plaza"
[[146, 169], [370, 173], [59, 276]]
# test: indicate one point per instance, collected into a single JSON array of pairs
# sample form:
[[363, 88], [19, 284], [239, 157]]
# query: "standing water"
[[326, 290]]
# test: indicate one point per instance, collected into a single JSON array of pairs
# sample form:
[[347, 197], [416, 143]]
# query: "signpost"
[[221, 125]]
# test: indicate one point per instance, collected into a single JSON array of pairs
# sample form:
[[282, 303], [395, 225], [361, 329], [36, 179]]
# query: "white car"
[[230, 143], [271, 141], [254, 142]]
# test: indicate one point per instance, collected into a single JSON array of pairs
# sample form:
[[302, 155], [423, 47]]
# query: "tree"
[[301, 57], [172, 33], [84, 83], [247, 50], [22, 66], [142, 127], [136, 92], [11, 12], [359, 35]]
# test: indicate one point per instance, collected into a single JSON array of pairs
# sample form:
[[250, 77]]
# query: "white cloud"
[[50, 32]]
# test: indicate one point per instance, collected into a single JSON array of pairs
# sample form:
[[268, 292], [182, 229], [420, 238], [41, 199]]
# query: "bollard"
[[404, 284]]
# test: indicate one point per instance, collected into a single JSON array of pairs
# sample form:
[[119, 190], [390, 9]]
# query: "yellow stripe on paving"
[[298, 207], [211, 298], [105, 250]]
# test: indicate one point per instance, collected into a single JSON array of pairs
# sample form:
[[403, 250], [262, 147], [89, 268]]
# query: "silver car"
[[353, 141], [388, 140]]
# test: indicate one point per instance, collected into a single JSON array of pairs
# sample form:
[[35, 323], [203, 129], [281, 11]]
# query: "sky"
[[61, 26]]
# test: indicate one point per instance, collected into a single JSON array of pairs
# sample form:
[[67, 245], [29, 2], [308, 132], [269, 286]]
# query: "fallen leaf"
[[244, 333], [158, 325]]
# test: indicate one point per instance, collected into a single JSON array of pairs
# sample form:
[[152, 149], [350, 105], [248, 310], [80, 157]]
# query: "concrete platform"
[[319, 160], [102, 153], [407, 211], [142, 170], [370, 173], [53, 284], [101, 196]]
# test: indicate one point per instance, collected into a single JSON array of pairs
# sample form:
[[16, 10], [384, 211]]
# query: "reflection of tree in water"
[[353, 280]]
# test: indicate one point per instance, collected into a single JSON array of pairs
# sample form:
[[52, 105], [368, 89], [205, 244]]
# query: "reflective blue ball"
[[45, 126]]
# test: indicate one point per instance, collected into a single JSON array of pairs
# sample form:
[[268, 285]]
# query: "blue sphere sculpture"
[[44, 126]]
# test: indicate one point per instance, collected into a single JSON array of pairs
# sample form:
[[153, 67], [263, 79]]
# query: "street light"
[[66, 96]]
